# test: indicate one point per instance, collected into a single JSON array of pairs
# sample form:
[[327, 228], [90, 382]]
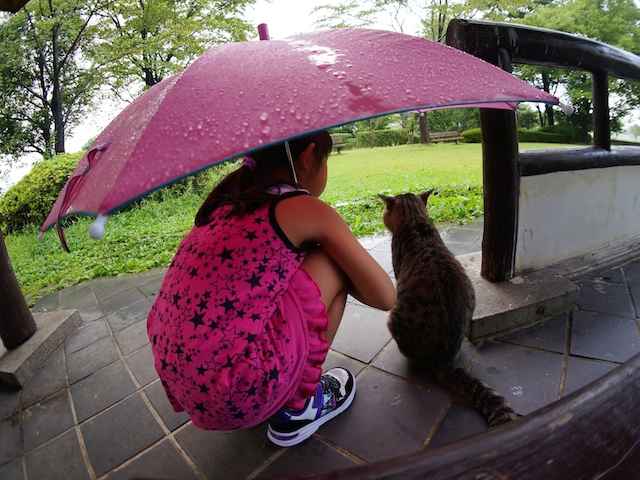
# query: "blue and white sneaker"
[[334, 395]]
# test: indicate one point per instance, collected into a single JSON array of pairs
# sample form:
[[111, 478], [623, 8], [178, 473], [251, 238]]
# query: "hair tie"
[[249, 162]]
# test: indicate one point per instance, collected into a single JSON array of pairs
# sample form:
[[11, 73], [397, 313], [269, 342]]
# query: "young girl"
[[254, 296]]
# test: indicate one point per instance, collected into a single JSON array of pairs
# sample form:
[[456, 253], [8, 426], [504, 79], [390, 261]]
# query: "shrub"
[[384, 138], [341, 138], [30, 200], [474, 135]]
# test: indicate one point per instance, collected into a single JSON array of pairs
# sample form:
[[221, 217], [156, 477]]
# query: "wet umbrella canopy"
[[241, 96]]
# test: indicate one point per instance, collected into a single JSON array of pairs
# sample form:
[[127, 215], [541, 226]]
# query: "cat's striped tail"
[[492, 406]]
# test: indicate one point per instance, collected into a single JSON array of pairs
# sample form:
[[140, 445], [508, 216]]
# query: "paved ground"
[[97, 409]]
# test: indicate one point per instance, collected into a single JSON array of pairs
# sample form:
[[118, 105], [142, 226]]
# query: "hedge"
[[474, 135], [385, 138], [30, 200]]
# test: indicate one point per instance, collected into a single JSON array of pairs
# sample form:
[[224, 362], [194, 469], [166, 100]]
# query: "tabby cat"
[[435, 304]]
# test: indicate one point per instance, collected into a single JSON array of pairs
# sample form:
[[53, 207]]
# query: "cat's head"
[[403, 208]]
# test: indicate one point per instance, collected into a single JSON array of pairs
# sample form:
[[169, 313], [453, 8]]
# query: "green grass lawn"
[[147, 236]]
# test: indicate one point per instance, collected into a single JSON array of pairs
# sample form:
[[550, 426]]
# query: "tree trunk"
[[424, 127], [548, 110], [540, 116], [16, 322], [58, 116]]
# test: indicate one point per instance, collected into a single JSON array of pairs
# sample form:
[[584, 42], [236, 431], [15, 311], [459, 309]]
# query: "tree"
[[46, 84], [146, 41]]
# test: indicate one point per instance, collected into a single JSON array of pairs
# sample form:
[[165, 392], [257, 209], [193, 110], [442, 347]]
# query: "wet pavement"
[[97, 409]]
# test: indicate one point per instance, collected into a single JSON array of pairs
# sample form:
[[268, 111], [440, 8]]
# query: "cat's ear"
[[424, 196], [388, 201]]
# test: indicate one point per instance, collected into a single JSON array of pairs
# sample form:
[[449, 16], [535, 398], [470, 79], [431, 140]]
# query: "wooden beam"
[[592, 433], [12, 5]]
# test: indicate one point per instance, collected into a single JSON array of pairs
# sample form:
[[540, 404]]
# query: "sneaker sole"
[[312, 428]]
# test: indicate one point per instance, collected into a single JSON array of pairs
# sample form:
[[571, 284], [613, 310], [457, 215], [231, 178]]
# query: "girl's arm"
[[305, 218]]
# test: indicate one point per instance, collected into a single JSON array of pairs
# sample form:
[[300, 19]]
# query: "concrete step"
[[526, 300]]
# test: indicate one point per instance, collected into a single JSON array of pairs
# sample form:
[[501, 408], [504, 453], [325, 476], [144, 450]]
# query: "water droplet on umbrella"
[[264, 116], [266, 130]]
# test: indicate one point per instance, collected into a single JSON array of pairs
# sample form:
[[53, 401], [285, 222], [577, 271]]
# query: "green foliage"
[[29, 201], [342, 138], [46, 84], [148, 41], [473, 135], [384, 138]]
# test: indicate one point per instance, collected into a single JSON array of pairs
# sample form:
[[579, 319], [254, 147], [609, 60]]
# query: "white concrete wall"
[[566, 214]]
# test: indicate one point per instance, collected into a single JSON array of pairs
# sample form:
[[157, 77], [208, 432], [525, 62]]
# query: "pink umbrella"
[[241, 96]]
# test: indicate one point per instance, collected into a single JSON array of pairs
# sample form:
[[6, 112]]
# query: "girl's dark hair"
[[246, 188]]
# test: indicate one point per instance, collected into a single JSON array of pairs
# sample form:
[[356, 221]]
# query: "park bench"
[[338, 144], [445, 137]]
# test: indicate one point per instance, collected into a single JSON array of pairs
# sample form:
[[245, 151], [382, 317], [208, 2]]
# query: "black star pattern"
[[201, 370], [204, 388], [229, 363], [206, 295], [164, 363], [188, 358], [197, 320], [251, 235], [228, 304], [176, 298], [179, 350], [251, 337], [254, 281], [259, 220], [252, 391], [213, 325], [255, 317], [262, 268], [240, 313], [202, 305], [225, 254], [281, 273], [274, 374], [200, 407], [239, 415], [270, 287]]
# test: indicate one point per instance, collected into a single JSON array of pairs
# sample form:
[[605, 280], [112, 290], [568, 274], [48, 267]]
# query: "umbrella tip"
[[96, 230], [263, 31]]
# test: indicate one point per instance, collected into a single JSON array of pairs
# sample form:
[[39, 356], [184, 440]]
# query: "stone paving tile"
[[101, 390], [45, 420], [362, 333], [156, 395], [336, 359], [160, 462], [11, 440], [129, 315], [226, 454], [551, 335], [58, 460], [84, 362], [141, 364], [48, 303], [464, 248], [152, 287], [468, 235], [107, 287], [133, 337], [614, 275], [527, 378], [121, 299], [12, 470], [632, 272], [386, 408], [392, 361], [119, 433], [605, 337], [49, 379], [581, 371], [312, 457], [86, 335], [80, 297], [460, 422], [9, 401], [605, 298]]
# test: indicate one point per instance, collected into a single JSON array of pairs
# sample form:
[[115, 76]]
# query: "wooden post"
[[601, 125], [16, 322], [424, 127], [501, 180]]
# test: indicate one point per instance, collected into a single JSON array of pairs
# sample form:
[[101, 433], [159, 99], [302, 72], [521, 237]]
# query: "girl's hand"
[[307, 219]]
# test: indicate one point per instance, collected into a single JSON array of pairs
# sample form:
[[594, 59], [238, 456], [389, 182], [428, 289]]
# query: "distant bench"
[[445, 137]]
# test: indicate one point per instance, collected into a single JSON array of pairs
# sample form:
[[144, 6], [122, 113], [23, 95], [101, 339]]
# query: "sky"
[[283, 17]]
